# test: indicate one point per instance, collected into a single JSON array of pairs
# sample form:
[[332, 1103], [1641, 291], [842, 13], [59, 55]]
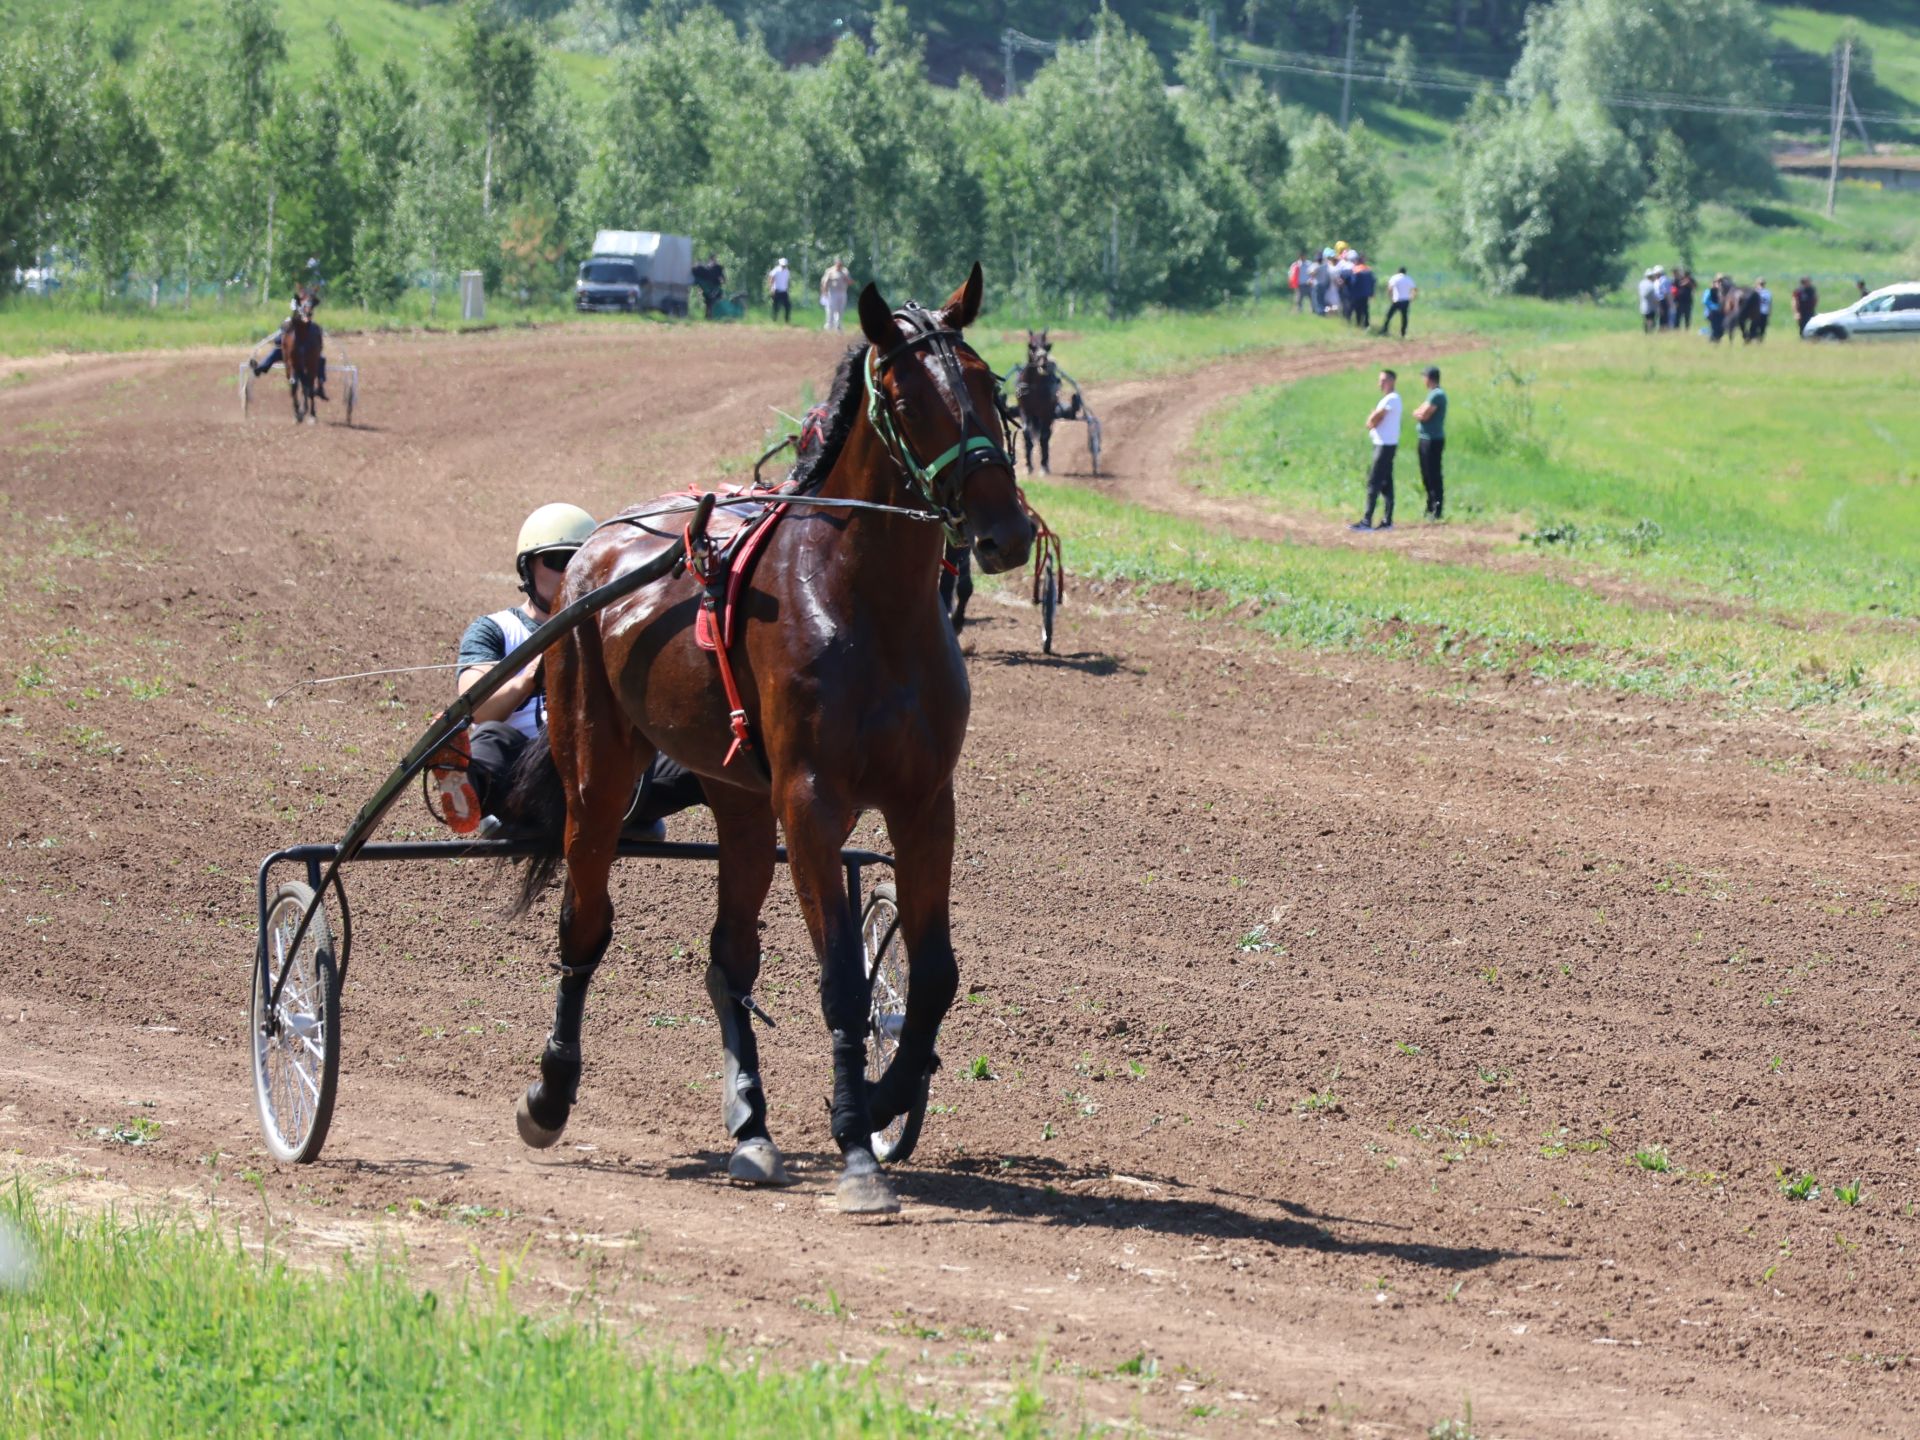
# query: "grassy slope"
[[377, 30], [159, 1330], [1789, 476]]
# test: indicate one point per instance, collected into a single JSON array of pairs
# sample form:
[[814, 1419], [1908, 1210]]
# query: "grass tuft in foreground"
[[160, 1328]]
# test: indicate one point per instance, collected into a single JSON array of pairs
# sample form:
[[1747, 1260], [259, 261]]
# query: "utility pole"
[[1840, 97], [1346, 85]]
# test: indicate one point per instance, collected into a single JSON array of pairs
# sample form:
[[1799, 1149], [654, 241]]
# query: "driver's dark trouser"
[[959, 580], [782, 305], [1380, 482], [668, 788], [275, 356]]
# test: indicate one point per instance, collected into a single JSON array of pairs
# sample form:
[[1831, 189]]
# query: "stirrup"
[[448, 781]]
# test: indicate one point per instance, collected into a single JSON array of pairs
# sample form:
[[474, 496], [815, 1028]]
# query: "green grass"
[[376, 29], [159, 1329], [1784, 476], [1377, 600]]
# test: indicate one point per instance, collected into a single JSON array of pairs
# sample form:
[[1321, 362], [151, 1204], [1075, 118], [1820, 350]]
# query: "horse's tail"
[[536, 807]]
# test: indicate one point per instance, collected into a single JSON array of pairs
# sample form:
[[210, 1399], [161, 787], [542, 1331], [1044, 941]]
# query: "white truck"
[[636, 270]]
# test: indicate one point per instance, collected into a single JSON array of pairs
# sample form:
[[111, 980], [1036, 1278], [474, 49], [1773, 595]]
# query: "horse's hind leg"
[[923, 867], [746, 873], [594, 753]]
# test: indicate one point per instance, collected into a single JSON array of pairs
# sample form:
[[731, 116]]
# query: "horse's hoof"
[[757, 1162], [867, 1194], [538, 1136]]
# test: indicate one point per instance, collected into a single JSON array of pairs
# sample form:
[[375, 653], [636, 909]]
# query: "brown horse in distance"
[[855, 698], [300, 347]]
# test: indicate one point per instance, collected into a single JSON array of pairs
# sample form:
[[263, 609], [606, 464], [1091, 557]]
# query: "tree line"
[[1100, 184]]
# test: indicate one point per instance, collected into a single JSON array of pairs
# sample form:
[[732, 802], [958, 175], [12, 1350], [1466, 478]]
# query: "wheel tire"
[[1834, 332], [293, 1086], [886, 955], [353, 393], [1049, 603]]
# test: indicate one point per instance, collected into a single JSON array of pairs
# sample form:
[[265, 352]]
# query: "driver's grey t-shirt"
[[486, 643]]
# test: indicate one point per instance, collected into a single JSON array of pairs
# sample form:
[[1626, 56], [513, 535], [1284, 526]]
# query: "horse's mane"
[[843, 408]]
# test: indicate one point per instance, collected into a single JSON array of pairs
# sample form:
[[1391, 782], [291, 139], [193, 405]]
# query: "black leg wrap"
[[743, 1104], [851, 1124], [550, 1099]]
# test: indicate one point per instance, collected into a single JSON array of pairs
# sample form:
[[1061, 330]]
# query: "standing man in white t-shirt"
[[779, 285], [1400, 292], [1383, 428], [833, 292]]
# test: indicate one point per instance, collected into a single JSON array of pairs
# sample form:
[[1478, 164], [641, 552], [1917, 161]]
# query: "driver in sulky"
[[470, 775]]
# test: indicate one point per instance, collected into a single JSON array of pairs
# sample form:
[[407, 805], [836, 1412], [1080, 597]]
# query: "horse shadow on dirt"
[[1097, 663], [1032, 1187], [1035, 1189]]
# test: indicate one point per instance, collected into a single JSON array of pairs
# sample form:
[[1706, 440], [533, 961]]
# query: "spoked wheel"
[[296, 1047], [1093, 443], [887, 971], [1049, 602], [353, 393], [246, 388]]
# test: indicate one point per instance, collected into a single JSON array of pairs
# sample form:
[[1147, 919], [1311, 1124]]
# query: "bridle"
[[941, 481]]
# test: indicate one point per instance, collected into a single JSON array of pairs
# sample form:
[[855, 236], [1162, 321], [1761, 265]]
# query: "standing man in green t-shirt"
[[1432, 418]]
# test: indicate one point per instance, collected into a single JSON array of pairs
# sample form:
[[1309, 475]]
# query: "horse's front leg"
[[1046, 437], [816, 824], [747, 842], [923, 869]]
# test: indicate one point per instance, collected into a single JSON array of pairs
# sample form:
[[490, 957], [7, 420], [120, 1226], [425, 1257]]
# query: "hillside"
[[1297, 49]]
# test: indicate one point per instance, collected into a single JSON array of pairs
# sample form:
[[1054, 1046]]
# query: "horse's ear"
[[1043, 337], [876, 318], [963, 306]]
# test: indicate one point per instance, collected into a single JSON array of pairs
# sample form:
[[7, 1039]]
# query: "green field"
[[1783, 476], [1747, 512], [377, 30], [156, 1328]]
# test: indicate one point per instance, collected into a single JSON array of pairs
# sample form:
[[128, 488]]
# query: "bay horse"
[[851, 695], [1037, 388], [301, 350]]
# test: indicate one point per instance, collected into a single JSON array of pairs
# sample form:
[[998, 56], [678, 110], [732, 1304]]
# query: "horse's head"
[[936, 405], [1039, 350]]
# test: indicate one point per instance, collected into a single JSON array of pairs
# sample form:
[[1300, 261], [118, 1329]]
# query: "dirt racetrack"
[[1326, 1001]]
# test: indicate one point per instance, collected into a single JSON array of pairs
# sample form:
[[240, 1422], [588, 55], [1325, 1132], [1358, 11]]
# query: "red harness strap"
[[714, 625]]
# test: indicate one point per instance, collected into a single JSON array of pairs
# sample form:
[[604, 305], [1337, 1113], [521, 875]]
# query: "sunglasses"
[[556, 559]]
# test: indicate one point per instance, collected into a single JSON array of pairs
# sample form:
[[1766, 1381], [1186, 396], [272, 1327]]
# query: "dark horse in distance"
[[300, 344], [849, 695], [1036, 388]]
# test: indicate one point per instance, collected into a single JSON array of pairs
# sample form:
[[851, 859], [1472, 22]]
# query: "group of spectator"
[[835, 283], [1339, 281], [1666, 303]]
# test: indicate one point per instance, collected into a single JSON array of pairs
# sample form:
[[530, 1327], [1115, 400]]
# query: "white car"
[[1892, 311]]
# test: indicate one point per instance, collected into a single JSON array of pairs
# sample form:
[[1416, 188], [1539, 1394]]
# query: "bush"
[[1337, 187], [1546, 202]]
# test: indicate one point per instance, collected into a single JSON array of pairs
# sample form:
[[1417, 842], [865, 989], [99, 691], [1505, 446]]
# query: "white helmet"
[[550, 529]]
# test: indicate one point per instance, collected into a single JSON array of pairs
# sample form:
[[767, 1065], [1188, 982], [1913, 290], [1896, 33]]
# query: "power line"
[[1648, 100]]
